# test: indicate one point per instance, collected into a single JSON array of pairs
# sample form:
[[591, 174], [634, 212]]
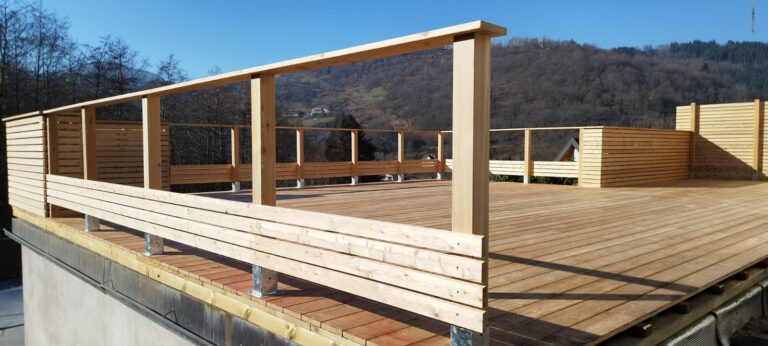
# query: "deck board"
[[567, 265]]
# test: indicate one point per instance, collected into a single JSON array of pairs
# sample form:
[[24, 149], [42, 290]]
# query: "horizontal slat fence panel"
[[26, 159], [426, 271], [563, 169], [624, 156], [728, 142], [118, 151]]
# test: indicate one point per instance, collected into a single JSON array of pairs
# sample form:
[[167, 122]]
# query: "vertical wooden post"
[[694, 137], [355, 154], [235, 159], [151, 133], [263, 139], [299, 158], [580, 156], [90, 169], [527, 159], [400, 156], [757, 160], [440, 155], [264, 281], [471, 126], [52, 137]]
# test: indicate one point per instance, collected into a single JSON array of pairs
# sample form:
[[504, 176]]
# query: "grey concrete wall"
[[61, 309]]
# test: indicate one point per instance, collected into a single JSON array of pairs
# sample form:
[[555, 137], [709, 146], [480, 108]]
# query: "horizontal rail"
[[401, 45], [419, 269]]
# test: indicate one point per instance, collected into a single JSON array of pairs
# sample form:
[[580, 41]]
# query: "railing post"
[[52, 138], [440, 155], [235, 143], [355, 154], [300, 158], [579, 155], [90, 168], [151, 132], [757, 160], [471, 137], [400, 156], [694, 136], [527, 162], [264, 158]]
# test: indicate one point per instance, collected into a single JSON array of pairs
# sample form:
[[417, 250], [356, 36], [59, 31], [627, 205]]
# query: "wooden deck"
[[567, 265]]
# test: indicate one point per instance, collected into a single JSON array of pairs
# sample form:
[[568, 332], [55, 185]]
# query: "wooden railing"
[[299, 170], [428, 271], [435, 273]]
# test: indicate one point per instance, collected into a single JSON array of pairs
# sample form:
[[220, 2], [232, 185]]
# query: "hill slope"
[[539, 83]]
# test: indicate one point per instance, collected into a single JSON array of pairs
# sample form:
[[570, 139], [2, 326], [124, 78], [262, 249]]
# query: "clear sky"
[[233, 35]]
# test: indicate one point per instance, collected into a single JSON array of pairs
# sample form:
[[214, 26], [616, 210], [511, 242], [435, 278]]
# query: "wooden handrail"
[[396, 46]]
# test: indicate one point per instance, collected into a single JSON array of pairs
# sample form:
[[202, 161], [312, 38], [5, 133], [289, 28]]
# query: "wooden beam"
[[88, 126], [90, 168], [151, 146], [52, 147], [471, 141], [396, 46], [471, 119], [234, 135], [263, 139], [757, 160], [440, 154], [400, 155], [299, 158], [527, 159], [150, 107], [581, 156], [694, 136], [354, 137]]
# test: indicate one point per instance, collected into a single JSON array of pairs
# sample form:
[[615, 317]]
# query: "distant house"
[[320, 111], [569, 152], [294, 114]]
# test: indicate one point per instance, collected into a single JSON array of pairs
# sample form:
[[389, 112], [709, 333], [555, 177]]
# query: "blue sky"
[[237, 34]]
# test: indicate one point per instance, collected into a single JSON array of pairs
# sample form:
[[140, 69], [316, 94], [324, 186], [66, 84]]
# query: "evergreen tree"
[[338, 145]]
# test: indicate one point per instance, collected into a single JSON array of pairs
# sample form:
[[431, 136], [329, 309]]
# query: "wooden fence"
[[613, 156], [728, 140], [27, 163], [435, 273]]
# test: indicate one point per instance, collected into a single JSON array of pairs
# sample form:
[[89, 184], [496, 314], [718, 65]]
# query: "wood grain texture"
[[568, 265], [26, 157]]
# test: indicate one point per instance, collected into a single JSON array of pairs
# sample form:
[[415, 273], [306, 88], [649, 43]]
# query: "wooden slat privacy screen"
[[614, 157], [26, 148], [432, 272], [725, 143], [728, 140], [118, 150]]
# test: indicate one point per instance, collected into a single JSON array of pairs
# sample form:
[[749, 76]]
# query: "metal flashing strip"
[[247, 314], [131, 303]]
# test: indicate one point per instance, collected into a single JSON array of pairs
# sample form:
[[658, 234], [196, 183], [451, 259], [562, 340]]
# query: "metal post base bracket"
[[300, 183], [236, 186], [466, 337], [400, 178], [91, 223], [264, 281], [355, 180], [153, 245]]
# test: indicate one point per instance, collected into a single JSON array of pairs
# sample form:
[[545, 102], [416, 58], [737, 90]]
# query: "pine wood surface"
[[567, 265]]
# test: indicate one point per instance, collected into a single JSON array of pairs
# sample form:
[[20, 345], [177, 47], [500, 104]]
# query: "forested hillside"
[[535, 82]]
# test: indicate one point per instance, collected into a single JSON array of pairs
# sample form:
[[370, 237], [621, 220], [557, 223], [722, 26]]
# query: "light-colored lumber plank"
[[263, 139]]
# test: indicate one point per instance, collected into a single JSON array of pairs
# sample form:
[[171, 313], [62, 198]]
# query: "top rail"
[[396, 46]]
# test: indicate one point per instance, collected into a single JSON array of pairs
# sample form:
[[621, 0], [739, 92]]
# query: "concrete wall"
[[61, 309]]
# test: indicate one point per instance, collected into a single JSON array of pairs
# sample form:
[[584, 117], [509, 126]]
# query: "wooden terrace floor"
[[567, 265]]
